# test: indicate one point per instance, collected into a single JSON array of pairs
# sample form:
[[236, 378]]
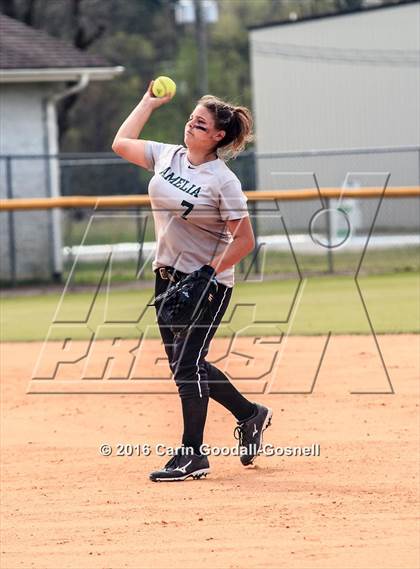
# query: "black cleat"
[[250, 433], [181, 466]]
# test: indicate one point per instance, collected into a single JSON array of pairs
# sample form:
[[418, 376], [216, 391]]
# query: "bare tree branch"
[[82, 40]]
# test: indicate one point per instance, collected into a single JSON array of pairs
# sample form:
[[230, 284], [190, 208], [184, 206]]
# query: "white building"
[[326, 88], [35, 71]]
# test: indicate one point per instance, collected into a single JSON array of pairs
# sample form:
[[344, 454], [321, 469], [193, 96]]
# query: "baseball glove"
[[184, 304]]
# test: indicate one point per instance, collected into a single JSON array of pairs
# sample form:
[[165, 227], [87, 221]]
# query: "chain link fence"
[[283, 230]]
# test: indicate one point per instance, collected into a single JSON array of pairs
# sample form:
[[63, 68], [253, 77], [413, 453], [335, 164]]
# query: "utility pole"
[[200, 13], [201, 39]]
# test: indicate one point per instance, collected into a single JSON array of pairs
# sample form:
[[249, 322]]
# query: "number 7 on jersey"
[[189, 207]]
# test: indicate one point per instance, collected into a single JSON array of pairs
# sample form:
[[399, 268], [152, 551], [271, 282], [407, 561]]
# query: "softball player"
[[201, 223]]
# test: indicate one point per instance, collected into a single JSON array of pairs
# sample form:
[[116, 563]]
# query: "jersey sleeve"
[[232, 201], [154, 151]]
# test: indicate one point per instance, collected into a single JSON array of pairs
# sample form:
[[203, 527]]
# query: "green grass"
[[329, 303]]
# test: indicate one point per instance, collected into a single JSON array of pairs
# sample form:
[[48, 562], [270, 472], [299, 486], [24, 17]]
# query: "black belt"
[[170, 274]]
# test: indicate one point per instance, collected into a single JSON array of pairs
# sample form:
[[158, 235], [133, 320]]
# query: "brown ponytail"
[[235, 121]]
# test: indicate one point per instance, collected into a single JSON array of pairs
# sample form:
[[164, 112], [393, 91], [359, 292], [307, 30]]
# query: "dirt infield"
[[65, 505]]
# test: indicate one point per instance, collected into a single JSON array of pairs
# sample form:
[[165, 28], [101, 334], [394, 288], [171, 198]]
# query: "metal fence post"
[[254, 223], [329, 238], [11, 218], [419, 165], [140, 240]]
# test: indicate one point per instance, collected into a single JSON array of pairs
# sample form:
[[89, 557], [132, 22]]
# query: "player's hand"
[[155, 102]]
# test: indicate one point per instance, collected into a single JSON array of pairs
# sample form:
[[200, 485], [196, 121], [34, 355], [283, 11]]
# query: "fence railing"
[[269, 195], [91, 182], [323, 195]]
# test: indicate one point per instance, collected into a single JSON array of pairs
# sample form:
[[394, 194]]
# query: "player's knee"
[[188, 390], [188, 372], [190, 379]]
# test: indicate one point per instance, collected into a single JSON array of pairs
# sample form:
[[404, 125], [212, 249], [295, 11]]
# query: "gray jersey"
[[191, 205]]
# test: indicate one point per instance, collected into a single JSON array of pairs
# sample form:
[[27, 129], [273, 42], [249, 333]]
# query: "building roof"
[[24, 47], [332, 15]]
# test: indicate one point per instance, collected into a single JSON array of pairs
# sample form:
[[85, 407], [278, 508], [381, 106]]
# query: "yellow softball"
[[163, 86]]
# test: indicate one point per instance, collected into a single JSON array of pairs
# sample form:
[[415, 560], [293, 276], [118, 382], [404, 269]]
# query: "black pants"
[[186, 355], [197, 380]]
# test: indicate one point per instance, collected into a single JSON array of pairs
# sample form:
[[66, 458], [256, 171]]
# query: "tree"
[[143, 36]]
